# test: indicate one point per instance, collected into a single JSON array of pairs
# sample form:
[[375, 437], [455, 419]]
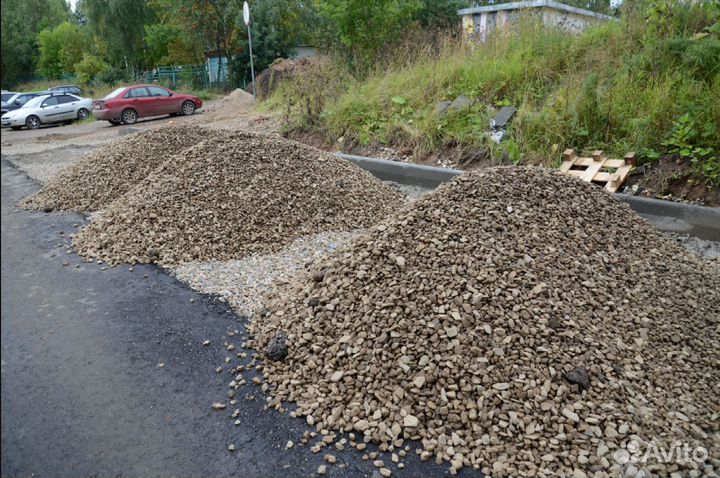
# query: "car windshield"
[[7, 96], [115, 93], [35, 102]]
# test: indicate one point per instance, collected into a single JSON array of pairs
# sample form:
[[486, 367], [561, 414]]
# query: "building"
[[478, 22]]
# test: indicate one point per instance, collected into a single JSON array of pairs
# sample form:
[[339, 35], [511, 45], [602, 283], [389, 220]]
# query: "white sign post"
[[246, 18]]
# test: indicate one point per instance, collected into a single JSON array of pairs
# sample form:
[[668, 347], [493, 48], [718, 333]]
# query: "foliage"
[[440, 14], [303, 98], [90, 68], [615, 87], [22, 20], [364, 28], [690, 142], [60, 49], [278, 26], [213, 23], [118, 27]]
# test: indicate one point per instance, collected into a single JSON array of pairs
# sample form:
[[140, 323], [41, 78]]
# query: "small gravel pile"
[[112, 170], [235, 195], [515, 320]]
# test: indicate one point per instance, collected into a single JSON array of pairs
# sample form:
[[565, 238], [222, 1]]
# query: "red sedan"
[[128, 103]]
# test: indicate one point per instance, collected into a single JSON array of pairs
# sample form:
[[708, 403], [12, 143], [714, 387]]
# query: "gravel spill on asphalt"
[[42, 166], [235, 195], [112, 170], [244, 283], [516, 321]]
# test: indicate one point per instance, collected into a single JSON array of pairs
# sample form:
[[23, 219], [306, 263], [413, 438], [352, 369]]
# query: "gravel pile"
[[232, 196], [112, 170], [515, 320]]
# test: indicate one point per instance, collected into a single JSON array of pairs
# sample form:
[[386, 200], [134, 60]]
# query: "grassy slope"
[[610, 88]]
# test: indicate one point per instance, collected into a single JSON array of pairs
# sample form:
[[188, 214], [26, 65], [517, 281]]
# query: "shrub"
[[90, 68]]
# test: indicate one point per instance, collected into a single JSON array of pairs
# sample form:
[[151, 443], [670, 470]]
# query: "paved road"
[[82, 394]]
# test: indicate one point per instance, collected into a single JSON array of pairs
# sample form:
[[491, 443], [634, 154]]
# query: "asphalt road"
[[82, 393]]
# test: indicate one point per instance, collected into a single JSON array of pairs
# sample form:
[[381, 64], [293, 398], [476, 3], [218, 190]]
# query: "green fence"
[[189, 76]]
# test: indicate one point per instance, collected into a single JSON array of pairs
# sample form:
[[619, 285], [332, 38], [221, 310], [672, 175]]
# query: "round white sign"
[[246, 13]]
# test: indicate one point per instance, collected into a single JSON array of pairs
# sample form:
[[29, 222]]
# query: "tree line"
[[113, 40]]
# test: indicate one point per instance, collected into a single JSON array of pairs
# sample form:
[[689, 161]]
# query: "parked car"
[[6, 95], [72, 89], [128, 103], [16, 101], [47, 109]]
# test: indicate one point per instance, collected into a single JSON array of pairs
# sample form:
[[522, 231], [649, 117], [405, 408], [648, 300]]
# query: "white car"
[[46, 109]]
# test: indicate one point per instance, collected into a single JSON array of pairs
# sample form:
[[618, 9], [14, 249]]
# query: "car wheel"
[[129, 116], [32, 122], [16, 127], [83, 114], [188, 108]]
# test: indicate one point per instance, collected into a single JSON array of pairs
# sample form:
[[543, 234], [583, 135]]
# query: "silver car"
[[47, 109]]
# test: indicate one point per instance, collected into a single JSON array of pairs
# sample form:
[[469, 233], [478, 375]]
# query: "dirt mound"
[[515, 320], [112, 170], [234, 195], [283, 69]]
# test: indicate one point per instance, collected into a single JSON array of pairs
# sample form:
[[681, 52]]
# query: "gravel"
[[43, 165], [508, 327], [231, 196], [244, 283], [114, 169]]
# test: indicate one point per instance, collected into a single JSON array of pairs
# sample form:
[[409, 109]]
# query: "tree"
[[90, 68], [119, 29], [441, 13], [278, 27], [60, 49], [22, 20], [364, 28], [172, 40]]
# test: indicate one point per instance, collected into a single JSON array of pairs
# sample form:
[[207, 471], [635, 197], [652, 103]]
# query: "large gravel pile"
[[112, 170], [515, 320], [235, 195]]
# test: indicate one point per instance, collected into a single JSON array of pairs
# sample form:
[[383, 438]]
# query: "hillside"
[[649, 82]]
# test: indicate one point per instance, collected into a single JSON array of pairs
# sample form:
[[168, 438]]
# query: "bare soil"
[[672, 178]]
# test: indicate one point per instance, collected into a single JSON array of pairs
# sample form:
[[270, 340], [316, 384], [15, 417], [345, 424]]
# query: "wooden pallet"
[[598, 168]]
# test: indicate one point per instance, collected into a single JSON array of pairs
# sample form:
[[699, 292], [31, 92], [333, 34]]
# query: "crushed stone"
[[112, 170], [245, 282], [463, 322], [231, 196]]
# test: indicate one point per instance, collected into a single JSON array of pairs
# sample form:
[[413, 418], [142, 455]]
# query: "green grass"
[[613, 88]]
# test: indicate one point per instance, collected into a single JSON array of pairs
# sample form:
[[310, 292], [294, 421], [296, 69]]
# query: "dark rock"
[[319, 275], [47, 209], [153, 253], [314, 302], [579, 377], [277, 348], [503, 117], [555, 324], [460, 103], [441, 108]]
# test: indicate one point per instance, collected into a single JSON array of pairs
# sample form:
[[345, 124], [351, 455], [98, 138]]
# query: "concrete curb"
[[698, 221], [403, 173]]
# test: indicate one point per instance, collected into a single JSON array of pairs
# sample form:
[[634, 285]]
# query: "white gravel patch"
[[244, 283]]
